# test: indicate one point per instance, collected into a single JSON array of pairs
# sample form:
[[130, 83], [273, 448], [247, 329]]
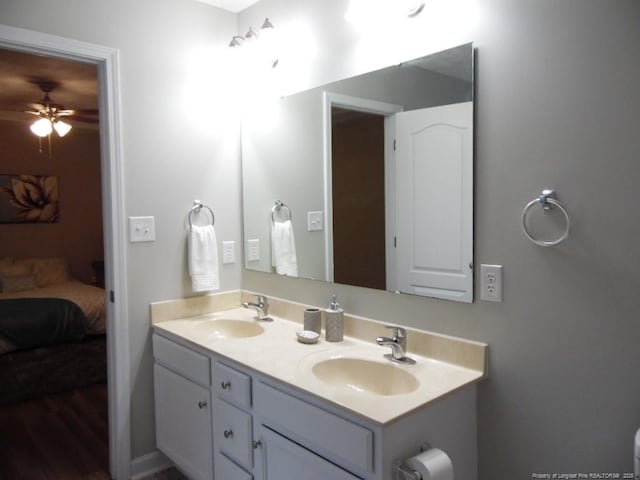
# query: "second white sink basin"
[[364, 375], [229, 328]]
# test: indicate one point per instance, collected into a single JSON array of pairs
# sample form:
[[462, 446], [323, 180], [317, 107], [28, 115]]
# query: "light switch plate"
[[228, 252], [142, 229], [253, 250], [315, 221]]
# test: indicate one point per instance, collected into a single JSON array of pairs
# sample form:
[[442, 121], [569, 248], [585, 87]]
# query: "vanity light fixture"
[[236, 41], [264, 36], [251, 34]]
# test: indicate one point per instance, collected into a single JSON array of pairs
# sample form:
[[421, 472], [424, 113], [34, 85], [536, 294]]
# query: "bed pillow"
[[17, 283], [10, 271], [47, 271]]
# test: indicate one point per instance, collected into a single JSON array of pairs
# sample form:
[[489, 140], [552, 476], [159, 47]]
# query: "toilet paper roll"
[[432, 464]]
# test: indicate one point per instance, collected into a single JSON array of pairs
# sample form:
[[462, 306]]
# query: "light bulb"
[[41, 127], [62, 127]]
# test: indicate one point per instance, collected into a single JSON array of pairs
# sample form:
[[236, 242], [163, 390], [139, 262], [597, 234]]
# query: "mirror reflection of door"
[[434, 201], [358, 197]]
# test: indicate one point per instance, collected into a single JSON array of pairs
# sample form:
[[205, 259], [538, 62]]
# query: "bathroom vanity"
[[238, 399]]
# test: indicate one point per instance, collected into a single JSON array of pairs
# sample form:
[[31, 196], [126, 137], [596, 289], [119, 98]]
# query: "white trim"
[[366, 105], [146, 465], [113, 213]]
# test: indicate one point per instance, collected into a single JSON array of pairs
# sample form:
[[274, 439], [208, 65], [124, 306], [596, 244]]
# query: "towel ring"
[[277, 206], [197, 207], [547, 203]]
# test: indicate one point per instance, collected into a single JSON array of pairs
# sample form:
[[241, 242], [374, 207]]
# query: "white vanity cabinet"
[[183, 407], [259, 428]]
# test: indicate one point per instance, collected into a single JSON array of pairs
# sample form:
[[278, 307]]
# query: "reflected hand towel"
[[283, 249], [203, 258]]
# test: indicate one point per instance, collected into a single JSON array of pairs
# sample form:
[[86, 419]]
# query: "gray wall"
[[558, 105], [169, 73]]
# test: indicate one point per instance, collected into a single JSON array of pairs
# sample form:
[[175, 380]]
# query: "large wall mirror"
[[367, 181]]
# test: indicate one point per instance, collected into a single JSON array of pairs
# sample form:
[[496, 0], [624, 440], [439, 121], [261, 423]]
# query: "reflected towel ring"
[[547, 203], [197, 207], [277, 206]]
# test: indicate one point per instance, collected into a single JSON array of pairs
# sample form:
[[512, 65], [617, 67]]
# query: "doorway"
[[358, 196], [106, 60], [54, 397], [375, 118]]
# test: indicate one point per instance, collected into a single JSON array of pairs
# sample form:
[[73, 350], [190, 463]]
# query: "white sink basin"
[[229, 328], [364, 375]]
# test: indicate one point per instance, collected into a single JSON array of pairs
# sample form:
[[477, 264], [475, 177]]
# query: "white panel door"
[[434, 201]]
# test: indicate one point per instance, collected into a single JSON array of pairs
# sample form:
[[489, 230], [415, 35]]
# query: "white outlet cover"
[[142, 229], [491, 283]]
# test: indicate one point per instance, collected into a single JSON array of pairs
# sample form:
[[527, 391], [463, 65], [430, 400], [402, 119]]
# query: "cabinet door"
[[283, 459], [183, 423]]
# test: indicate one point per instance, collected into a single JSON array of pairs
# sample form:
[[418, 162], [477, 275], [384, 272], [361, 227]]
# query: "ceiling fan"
[[50, 113]]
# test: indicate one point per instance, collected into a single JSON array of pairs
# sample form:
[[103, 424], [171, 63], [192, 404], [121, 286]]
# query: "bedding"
[[89, 299], [34, 322]]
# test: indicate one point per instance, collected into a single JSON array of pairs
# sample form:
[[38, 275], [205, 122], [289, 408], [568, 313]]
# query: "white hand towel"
[[283, 249], [203, 259]]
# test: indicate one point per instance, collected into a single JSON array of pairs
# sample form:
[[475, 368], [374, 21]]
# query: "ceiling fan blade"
[[87, 111], [80, 118], [64, 113]]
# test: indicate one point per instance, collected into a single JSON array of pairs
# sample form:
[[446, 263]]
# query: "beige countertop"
[[443, 364]]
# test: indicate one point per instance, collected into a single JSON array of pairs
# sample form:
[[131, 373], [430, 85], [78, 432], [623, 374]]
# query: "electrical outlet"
[[491, 283]]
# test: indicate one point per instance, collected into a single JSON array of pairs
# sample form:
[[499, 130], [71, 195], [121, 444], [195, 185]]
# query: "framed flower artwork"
[[28, 199]]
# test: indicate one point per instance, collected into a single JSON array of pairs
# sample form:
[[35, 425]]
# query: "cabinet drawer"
[[225, 469], [329, 435], [231, 385], [232, 433], [187, 363]]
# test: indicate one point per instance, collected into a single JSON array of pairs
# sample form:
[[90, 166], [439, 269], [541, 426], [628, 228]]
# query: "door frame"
[[107, 61], [387, 110]]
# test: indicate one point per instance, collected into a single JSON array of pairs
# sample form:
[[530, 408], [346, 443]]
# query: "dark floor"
[[56, 437]]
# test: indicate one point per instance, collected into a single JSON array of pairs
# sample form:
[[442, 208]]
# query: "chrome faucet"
[[261, 307], [398, 344]]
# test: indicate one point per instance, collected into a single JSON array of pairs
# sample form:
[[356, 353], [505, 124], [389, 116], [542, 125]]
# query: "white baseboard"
[[149, 464]]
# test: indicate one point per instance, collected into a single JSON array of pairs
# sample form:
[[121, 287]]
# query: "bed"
[[52, 330]]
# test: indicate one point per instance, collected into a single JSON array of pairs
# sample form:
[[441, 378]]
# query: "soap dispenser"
[[335, 322]]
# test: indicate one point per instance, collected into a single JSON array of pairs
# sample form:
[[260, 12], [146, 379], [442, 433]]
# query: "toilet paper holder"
[[402, 472]]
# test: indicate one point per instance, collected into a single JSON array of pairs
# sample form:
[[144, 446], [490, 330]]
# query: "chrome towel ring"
[[197, 208], [277, 206], [547, 203]]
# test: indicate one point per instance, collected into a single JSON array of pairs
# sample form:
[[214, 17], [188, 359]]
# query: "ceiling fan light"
[[62, 128], [41, 127]]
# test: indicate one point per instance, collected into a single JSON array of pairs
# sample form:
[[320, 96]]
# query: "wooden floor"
[[58, 437]]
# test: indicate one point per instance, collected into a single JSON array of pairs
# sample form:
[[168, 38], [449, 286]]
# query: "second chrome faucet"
[[261, 306], [398, 344]]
